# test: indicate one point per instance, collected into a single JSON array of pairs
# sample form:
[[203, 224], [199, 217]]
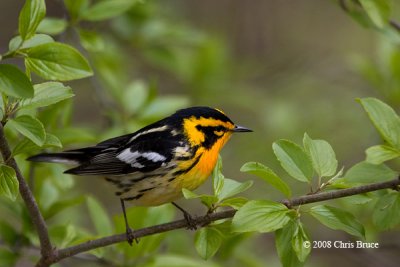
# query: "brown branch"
[[156, 229], [206, 219], [46, 248], [341, 193]]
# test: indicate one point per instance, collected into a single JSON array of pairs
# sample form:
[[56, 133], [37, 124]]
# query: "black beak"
[[241, 129]]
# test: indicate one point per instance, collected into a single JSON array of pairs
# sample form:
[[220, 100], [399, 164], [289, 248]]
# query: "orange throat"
[[208, 158]]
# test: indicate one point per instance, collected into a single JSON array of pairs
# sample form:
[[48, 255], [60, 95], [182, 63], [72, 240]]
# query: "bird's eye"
[[219, 130]]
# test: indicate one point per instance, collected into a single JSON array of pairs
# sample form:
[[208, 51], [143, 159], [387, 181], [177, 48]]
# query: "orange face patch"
[[195, 136]]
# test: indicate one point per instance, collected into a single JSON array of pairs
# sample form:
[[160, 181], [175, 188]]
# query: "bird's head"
[[207, 127]]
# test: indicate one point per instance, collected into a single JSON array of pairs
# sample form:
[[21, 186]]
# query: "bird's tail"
[[68, 157]]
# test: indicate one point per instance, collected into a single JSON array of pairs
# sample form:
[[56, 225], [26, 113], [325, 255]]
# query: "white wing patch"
[[153, 156], [127, 156], [130, 157]]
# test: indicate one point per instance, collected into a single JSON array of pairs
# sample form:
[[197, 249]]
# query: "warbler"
[[151, 166]]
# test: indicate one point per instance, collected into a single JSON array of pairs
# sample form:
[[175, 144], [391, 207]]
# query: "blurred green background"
[[281, 68]]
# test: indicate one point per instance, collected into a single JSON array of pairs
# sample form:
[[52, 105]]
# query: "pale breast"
[[165, 184]]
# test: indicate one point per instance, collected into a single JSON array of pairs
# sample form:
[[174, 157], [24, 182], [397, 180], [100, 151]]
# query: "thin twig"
[[340, 193], [46, 248], [204, 220]]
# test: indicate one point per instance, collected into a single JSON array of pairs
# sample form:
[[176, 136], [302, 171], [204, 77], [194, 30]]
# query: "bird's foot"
[[130, 236], [192, 225]]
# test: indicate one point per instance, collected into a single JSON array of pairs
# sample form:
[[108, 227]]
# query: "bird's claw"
[[130, 236], [192, 225]]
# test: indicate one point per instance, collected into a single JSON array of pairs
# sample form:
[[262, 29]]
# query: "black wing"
[[145, 153]]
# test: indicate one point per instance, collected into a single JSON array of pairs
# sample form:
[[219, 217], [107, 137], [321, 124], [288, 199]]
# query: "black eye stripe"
[[220, 129], [211, 134], [207, 129]]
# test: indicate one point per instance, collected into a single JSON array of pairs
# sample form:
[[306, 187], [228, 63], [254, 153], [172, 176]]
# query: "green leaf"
[[189, 194], [52, 141], [8, 257], [14, 82], [63, 182], [207, 242], [62, 235], [161, 106], [267, 175], [364, 172], [232, 188], [9, 234], [31, 15], [208, 200], [47, 94], [59, 206], [359, 199], [294, 160], [299, 238], [384, 119], [106, 9], [99, 216], [48, 195], [27, 146], [30, 127], [8, 182], [236, 202], [57, 61], [338, 219], [381, 153], [217, 177], [322, 156], [74, 135], [260, 215], [386, 212], [356, 11], [377, 10], [37, 39], [135, 96], [70, 235], [284, 245], [52, 26], [91, 41], [76, 8]]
